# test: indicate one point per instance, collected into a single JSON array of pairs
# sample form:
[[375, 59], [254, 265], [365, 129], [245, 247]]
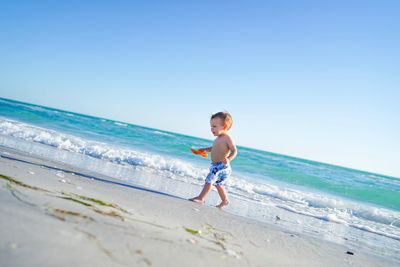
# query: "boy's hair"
[[225, 117]]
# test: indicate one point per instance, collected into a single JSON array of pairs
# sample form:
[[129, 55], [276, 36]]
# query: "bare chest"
[[220, 144]]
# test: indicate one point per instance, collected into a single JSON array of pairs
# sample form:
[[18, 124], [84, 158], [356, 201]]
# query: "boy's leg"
[[200, 198], [223, 196]]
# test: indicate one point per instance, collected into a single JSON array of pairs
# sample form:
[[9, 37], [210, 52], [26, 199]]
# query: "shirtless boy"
[[223, 151]]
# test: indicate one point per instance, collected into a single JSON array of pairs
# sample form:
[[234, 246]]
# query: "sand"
[[56, 215]]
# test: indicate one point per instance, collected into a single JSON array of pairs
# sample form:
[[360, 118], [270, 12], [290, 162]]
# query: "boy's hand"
[[225, 161]]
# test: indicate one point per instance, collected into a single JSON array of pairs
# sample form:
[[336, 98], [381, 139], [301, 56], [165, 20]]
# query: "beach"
[[105, 106], [54, 214]]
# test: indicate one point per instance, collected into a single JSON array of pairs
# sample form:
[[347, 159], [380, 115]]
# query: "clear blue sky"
[[313, 79]]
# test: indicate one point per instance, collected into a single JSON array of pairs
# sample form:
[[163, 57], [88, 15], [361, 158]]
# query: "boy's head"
[[225, 117]]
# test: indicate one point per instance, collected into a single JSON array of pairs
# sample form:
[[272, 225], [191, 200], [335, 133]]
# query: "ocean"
[[352, 207]]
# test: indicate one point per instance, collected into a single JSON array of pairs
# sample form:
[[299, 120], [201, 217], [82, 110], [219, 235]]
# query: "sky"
[[318, 80]]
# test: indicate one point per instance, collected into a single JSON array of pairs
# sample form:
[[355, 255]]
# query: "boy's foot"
[[197, 200], [223, 204]]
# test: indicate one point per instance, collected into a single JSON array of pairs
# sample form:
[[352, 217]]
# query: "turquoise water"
[[362, 186], [352, 198]]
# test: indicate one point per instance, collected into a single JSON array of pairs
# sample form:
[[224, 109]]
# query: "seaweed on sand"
[[19, 183], [62, 214], [94, 200]]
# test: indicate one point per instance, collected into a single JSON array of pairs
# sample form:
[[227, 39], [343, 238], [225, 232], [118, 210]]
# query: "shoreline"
[[54, 214]]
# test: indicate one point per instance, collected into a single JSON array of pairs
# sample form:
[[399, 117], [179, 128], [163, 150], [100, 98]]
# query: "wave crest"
[[97, 149]]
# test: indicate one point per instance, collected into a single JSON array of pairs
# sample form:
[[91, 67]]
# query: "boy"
[[223, 151]]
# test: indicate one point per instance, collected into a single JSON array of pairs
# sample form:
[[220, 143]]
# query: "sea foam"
[[97, 149]]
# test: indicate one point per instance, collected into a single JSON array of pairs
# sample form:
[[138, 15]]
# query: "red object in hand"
[[199, 152]]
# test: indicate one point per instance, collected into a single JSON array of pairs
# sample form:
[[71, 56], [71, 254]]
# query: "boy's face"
[[217, 126]]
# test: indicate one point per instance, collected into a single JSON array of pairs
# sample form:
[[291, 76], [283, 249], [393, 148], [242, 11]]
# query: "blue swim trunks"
[[219, 172]]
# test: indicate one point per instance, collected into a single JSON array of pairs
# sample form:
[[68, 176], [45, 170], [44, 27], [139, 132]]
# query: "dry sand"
[[55, 215]]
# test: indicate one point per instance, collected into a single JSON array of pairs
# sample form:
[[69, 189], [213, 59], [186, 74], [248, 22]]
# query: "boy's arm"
[[207, 149], [232, 149]]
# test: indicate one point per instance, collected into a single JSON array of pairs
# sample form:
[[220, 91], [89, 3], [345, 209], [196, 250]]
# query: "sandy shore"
[[55, 215]]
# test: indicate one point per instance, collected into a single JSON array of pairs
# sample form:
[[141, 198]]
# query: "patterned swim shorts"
[[219, 172]]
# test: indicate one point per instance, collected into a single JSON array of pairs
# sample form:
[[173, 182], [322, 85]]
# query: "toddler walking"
[[223, 151]]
